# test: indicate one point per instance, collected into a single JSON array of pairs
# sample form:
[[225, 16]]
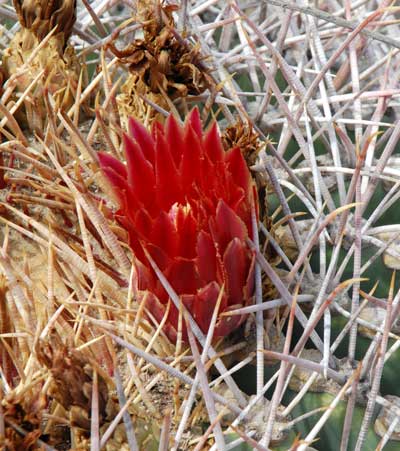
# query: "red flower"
[[188, 203]]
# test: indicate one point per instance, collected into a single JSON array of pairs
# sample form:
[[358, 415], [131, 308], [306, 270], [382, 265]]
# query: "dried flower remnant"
[[162, 65], [72, 379], [243, 136], [41, 17], [55, 58], [23, 413], [188, 204]]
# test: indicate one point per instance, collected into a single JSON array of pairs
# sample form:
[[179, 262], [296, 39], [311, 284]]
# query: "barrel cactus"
[[205, 256]]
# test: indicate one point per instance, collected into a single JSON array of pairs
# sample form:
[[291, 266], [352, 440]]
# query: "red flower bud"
[[188, 203]]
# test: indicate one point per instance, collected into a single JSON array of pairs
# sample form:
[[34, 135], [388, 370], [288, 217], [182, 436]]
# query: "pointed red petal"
[[140, 172], [168, 189], [187, 229], [156, 128], [226, 324], [142, 222], [182, 275], [190, 169], [108, 161], [228, 226], [174, 136], [195, 121], [158, 255], [164, 234], [145, 276], [213, 146], [157, 310], [204, 305], [206, 257], [143, 138], [236, 265], [239, 170], [249, 287], [117, 182]]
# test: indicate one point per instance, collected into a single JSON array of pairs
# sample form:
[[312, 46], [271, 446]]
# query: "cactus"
[[102, 344]]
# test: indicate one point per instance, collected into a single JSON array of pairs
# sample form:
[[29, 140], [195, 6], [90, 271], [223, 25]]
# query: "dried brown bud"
[[43, 16], [163, 66], [25, 412], [242, 135], [72, 379], [54, 59]]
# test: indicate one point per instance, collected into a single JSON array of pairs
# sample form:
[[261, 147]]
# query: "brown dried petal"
[[137, 56], [24, 411], [243, 136], [72, 375], [42, 16], [165, 63]]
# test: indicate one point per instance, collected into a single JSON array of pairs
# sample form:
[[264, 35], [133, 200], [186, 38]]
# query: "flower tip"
[[136, 129], [195, 121], [105, 159], [112, 168], [141, 135], [171, 123]]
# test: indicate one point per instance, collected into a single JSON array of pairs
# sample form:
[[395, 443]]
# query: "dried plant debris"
[[35, 63], [162, 65], [41, 17], [242, 134], [23, 417], [72, 380]]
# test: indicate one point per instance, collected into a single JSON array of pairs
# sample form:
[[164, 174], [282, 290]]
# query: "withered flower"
[[55, 58], [41, 17], [188, 204], [162, 65], [26, 412], [244, 136], [72, 379]]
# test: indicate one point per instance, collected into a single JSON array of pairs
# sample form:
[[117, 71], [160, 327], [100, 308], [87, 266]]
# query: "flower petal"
[[195, 122], [204, 305], [228, 226], [190, 169], [226, 324], [187, 226], [174, 136], [238, 168], [117, 182], [163, 234], [182, 275], [213, 145], [168, 189], [157, 310], [143, 138], [206, 257], [140, 171], [236, 265], [108, 161]]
